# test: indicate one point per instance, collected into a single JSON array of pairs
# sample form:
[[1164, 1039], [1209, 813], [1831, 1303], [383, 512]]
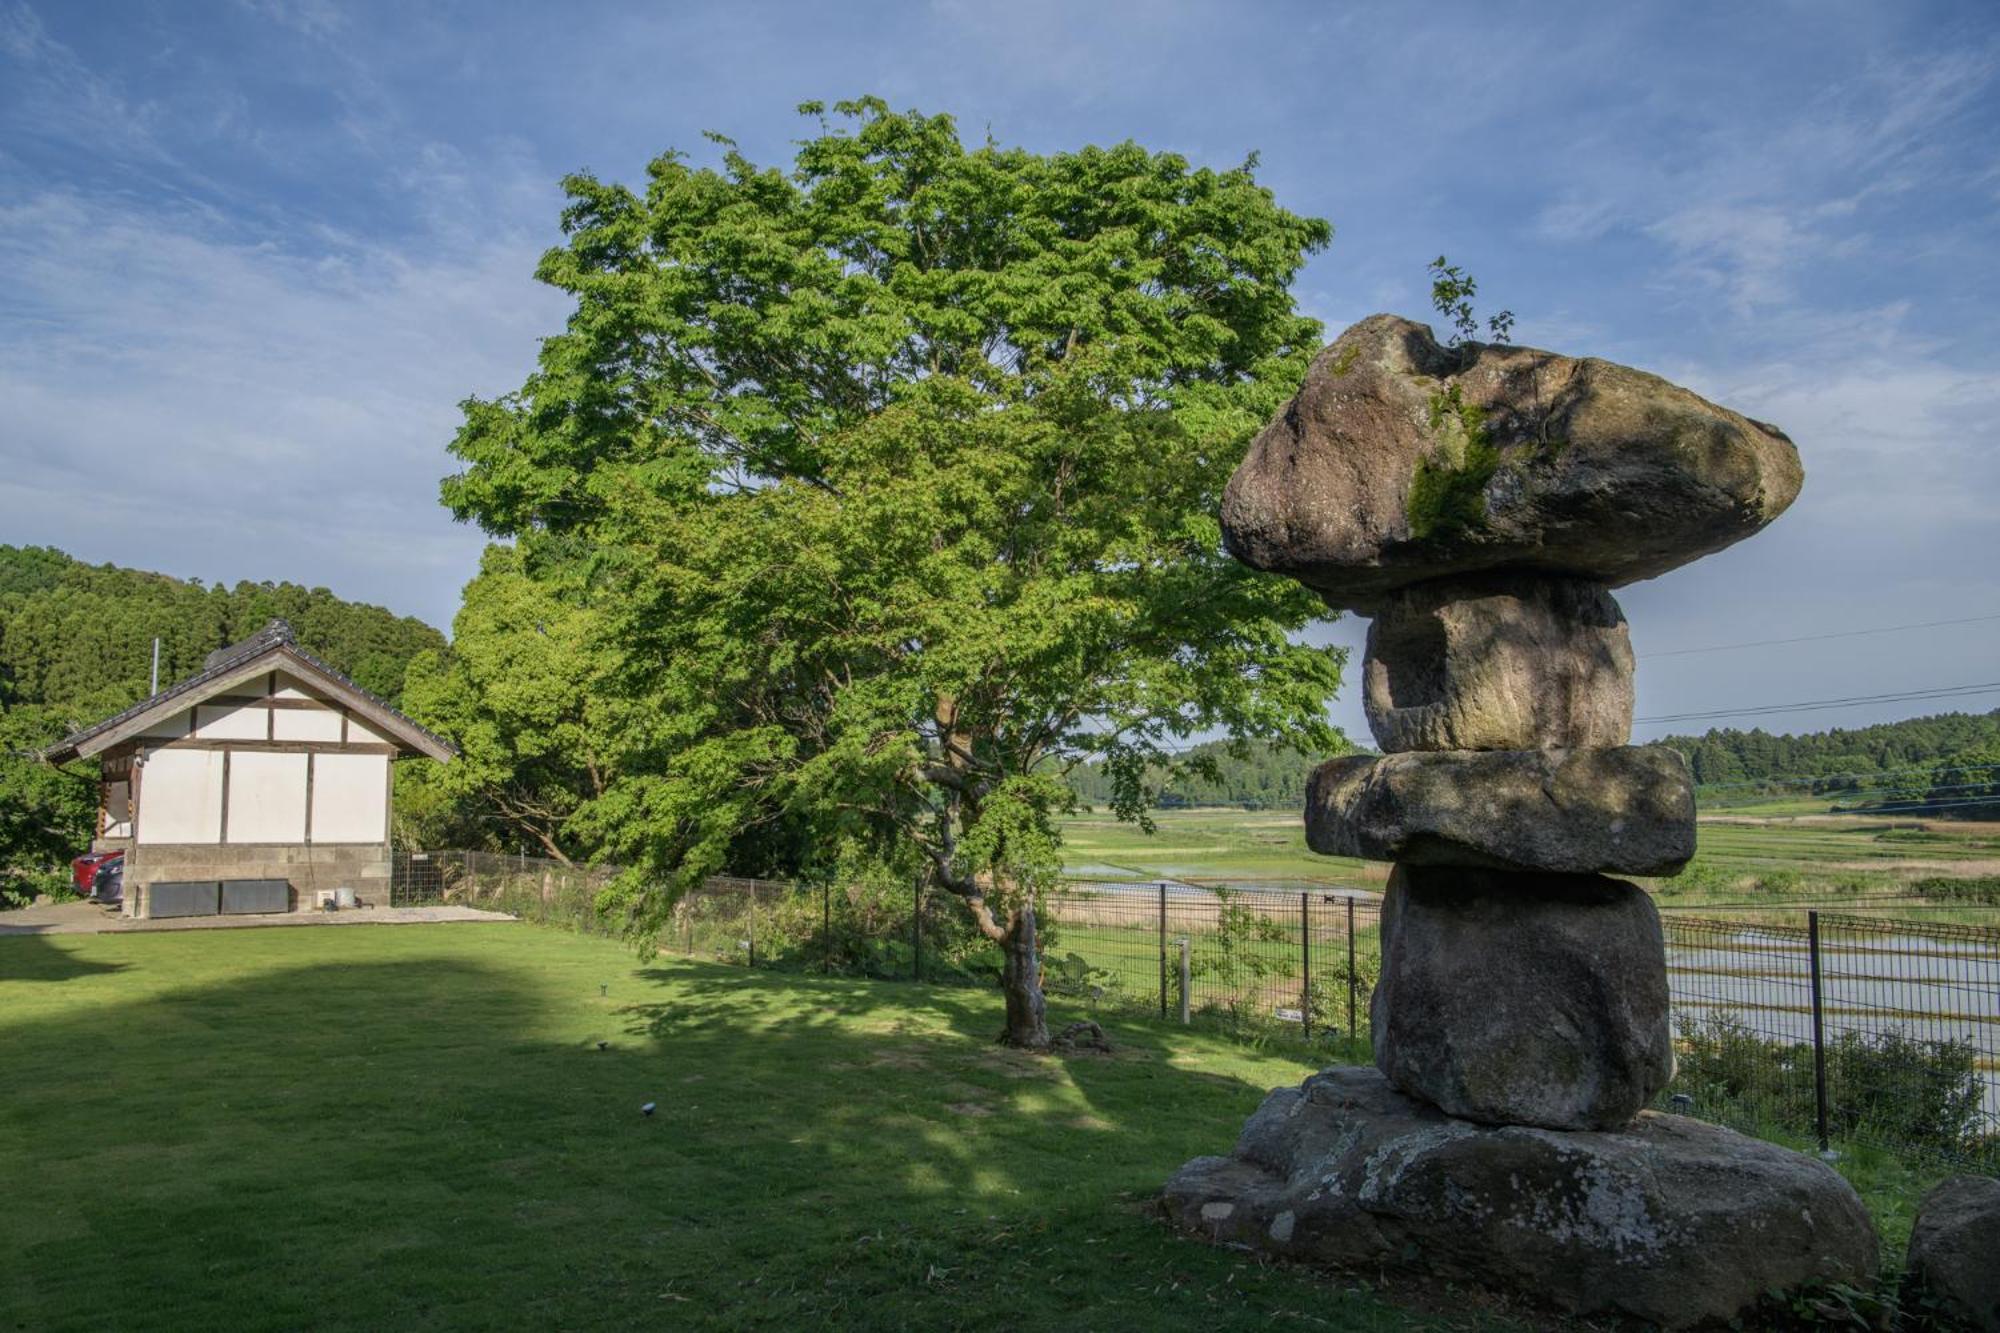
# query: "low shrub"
[[19, 887], [1982, 890], [1888, 1087]]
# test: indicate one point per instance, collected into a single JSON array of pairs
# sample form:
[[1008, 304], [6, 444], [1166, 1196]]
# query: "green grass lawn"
[[406, 1126]]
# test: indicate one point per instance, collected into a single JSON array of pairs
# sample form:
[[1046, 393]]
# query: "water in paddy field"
[[1927, 987], [1083, 879]]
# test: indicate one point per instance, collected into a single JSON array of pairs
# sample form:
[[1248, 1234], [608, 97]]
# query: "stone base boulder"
[[1670, 1221], [1523, 999], [1623, 811], [1954, 1256]]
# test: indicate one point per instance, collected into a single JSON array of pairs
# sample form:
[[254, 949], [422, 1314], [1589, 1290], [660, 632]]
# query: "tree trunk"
[[1021, 980]]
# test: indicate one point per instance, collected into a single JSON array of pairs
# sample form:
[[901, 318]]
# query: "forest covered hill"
[[78, 638], [76, 645]]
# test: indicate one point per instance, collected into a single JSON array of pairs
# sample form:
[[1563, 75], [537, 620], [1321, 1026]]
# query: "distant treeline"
[[1948, 764], [1261, 776], [76, 645], [79, 637]]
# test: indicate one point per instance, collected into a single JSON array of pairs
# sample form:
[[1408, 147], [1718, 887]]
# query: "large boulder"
[[1400, 460], [1954, 1255], [1503, 662], [1670, 1221], [1523, 999], [1625, 811]]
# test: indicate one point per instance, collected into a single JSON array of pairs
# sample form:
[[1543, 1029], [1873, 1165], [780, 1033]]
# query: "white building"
[[268, 769]]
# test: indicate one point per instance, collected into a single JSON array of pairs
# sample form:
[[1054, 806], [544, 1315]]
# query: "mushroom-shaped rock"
[[1400, 460]]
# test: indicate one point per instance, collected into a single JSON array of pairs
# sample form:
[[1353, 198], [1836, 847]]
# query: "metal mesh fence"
[[532, 888], [1861, 1029], [1841, 1027]]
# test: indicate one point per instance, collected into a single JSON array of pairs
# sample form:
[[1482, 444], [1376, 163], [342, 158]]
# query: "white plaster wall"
[[360, 733], [267, 797], [289, 688], [180, 797], [306, 724], [174, 725], [350, 797], [231, 722]]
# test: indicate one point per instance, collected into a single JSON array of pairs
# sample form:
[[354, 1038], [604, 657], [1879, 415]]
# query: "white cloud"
[[312, 18], [178, 398]]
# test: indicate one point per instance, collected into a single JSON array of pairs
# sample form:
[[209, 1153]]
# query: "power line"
[[1819, 638], [1914, 807], [1815, 705]]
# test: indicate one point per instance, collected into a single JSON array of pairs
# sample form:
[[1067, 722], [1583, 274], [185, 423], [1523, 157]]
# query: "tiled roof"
[[222, 662]]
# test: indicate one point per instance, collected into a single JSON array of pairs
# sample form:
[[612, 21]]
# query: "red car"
[[97, 874]]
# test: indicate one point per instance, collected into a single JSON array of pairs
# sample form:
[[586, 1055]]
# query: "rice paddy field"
[[1264, 848], [1790, 854]]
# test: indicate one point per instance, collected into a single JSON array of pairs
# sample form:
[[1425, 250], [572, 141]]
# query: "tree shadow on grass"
[[441, 1140], [37, 957]]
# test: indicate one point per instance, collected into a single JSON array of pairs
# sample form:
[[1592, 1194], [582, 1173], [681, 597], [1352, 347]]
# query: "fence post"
[[753, 925], [1350, 967], [1163, 950], [1187, 1003], [1305, 966], [917, 932], [826, 928], [1819, 1030]]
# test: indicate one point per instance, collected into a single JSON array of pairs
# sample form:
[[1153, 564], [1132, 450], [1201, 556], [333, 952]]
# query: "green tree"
[[45, 812], [523, 692], [898, 475], [1966, 786]]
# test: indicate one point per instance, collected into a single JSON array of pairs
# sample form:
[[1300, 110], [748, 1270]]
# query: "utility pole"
[[155, 687]]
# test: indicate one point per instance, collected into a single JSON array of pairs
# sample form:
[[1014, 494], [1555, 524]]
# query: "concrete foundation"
[[362, 867]]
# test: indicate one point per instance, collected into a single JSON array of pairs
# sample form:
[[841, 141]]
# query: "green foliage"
[[1895, 1088], [892, 475], [1886, 1087], [1840, 762], [45, 813], [1983, 890], [1329, 987], [1701, 877], [1448, 494], [1072, 976], [1452, 290], [1964, 786], [524, 690], [1238, 954], [79, 637]]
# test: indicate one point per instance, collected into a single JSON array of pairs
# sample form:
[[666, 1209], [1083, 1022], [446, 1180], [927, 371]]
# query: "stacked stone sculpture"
[[1480, 503]]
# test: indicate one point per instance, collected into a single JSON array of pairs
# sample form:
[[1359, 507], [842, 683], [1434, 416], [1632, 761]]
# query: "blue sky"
[[252, 254]]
